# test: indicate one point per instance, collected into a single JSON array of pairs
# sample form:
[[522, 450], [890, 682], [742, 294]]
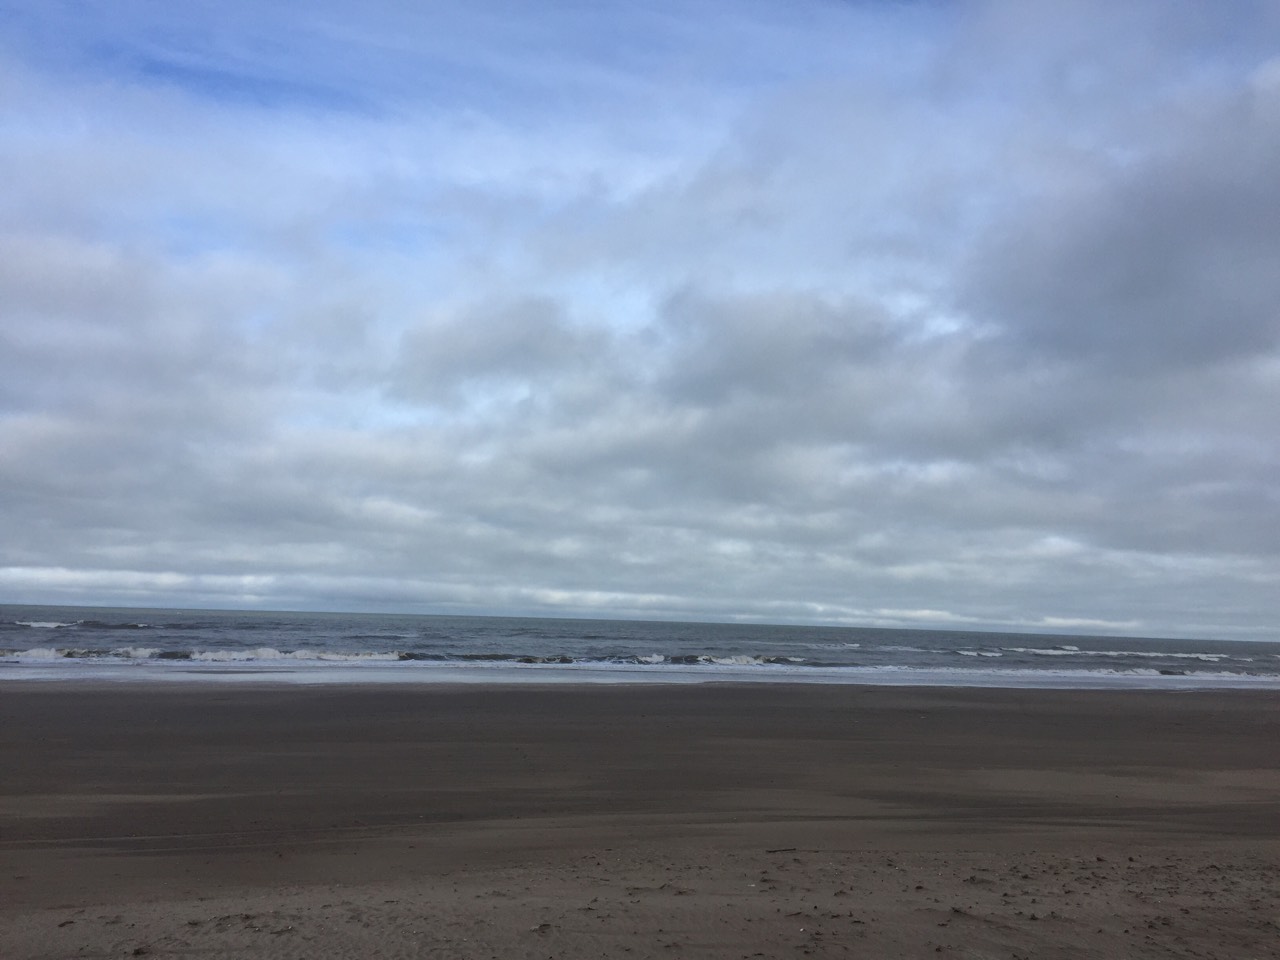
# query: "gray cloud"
[[1157, 261], [519, 347]]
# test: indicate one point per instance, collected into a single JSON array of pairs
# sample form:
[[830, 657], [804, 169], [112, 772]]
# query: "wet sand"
[[710, 821]]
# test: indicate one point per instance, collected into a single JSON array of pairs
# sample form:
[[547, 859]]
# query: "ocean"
[[113, 644]]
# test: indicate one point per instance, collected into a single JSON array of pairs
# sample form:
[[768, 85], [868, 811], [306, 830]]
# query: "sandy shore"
[[637, 822]]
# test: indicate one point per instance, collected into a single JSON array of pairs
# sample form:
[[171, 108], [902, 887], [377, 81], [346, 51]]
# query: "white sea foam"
[[270, 653], [1142, 654], [136, 653], [232, 656], [341, 657], [1046, 651], [43, 624]]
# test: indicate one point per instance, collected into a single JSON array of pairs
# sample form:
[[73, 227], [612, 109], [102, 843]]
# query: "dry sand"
[[632, 822]]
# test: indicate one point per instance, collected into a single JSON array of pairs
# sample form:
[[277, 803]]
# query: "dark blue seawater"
[[43, 643]]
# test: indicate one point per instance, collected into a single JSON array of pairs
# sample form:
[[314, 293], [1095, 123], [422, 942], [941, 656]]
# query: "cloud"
[[881, 314], [519, 347], [1153, 262]]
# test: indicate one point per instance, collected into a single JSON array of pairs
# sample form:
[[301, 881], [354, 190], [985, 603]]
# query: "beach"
[[719, 821]]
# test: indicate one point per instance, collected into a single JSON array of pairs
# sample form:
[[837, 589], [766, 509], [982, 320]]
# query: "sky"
[[900, 314]]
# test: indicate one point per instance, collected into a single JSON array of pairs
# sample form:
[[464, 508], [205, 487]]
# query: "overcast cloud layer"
[[904, 314]]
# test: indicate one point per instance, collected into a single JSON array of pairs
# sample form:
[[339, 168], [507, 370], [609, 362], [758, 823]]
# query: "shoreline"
[[489, 806]]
